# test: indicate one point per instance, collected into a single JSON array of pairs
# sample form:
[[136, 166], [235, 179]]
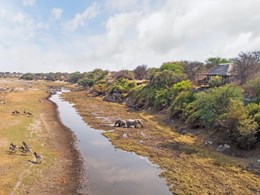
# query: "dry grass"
[[187, 164], [17, 174]]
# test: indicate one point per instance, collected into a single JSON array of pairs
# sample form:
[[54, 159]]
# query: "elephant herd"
[[128, 123]]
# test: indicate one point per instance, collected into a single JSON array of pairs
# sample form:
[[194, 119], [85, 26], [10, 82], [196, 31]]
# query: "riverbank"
[[187, 164], [61, 170]]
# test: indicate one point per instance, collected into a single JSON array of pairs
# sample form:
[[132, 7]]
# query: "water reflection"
[[110, 171]]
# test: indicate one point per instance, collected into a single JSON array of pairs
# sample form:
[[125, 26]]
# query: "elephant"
[[133, 122], [120, 123]]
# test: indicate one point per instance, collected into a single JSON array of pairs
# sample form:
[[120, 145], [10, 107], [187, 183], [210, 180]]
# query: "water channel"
[[110, 171]]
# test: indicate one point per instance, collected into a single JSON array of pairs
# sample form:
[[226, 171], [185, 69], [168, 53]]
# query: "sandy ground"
[[61, 171]]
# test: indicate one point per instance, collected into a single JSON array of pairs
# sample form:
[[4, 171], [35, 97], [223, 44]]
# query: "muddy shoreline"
[[78, 170], [187, 164]]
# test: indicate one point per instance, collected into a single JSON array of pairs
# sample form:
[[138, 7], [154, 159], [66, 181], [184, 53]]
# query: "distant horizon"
[[68, 36]]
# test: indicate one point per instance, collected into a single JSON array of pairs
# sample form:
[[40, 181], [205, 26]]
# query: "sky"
[[81, 35]]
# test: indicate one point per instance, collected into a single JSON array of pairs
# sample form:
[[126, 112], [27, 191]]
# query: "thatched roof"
[[221, 70]]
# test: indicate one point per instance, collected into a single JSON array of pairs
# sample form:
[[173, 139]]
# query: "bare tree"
[[193, 68], [126, 74], [140, 72], [246, 65]]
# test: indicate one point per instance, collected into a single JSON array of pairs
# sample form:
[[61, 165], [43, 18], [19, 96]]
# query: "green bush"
[[209, 106], [182, 100], [240, 125], [28, 76], [166, 78], [184, 85], [122, 86], [254, 111], [162, 99], [86, 82], [145, 93], [215, 82]]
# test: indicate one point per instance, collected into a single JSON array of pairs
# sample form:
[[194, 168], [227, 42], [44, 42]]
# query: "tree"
[[176, 67], [51, 76], [166, 78], [246, 65], [191, 69], [141, 72], [75, 77], [217, 61], [126, 74], [28, 76]]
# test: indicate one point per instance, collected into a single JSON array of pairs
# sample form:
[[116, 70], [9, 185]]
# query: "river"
[[110, 171]]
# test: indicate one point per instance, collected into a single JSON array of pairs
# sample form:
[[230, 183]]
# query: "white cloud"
[[175, 30], [29, 2], [81, 19], [56, 13]]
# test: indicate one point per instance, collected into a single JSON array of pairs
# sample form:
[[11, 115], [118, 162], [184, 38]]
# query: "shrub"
[[126, 74], [28, 76], [75, 77], [215, 82], [166, 78], [209, 106], [254, 111], [184, 85], [86, 82], [253, 89], [180, 103], [176, 67], [162, 98], [144, 93], [240, 125], [99, 89], [122, 86]]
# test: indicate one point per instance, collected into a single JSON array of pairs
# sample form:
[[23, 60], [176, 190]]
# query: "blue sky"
[[80, 35]]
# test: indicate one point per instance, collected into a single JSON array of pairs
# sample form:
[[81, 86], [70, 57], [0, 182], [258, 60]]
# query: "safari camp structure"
[[222, 70]]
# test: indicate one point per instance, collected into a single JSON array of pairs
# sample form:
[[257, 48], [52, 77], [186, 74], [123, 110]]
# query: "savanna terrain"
[[60, 170]]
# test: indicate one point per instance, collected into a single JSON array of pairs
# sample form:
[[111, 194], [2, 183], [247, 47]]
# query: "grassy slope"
[[188, 166]]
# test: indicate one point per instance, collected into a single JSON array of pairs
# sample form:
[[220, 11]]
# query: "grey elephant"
[[134, 123], [120, 123]]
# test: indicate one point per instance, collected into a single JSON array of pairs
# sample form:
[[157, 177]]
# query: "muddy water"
[[110, 171]]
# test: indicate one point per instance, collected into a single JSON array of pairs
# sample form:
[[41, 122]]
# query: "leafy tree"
[[75, 77], [176, 67], [217, 61], [51, 77], [166, 78], [28, 76]]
